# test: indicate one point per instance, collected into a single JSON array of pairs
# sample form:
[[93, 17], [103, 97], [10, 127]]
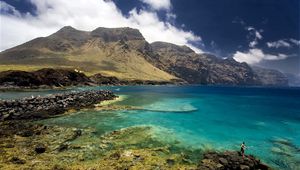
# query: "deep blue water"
[[267, 119]]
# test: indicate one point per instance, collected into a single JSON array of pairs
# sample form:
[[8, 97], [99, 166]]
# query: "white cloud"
[[278, 44], [158, 4], [287, 43], [257, 36], [254, 56], [296, 42], [8, 9], [87, 15]]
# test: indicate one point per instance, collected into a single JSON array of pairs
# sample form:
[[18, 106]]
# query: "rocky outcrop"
[[269, 77], [105, 80], [44, 77], [230, 160], [44, 107]]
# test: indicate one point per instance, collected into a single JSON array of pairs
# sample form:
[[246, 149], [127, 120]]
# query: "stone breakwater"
[[44, 107]]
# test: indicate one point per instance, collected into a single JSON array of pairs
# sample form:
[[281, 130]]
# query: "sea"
[[267, 119]]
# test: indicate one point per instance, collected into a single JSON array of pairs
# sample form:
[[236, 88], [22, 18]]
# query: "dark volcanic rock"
[[43, 77], [105, 80], [61, 77], [230, 160], [18, 78]]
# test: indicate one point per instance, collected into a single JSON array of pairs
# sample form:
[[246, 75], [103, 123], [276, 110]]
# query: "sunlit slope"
[[114, 52]]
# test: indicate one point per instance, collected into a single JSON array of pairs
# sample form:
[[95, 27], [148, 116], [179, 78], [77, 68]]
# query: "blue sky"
[[259, 32]]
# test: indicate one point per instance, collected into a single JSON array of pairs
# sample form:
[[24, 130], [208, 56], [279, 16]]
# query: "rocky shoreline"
[[230, 160], [44, 107]]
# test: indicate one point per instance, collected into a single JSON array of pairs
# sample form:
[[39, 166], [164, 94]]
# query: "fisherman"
[[243, 147]]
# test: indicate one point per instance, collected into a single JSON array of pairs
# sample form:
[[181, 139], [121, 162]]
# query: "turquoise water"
[[267, 119]]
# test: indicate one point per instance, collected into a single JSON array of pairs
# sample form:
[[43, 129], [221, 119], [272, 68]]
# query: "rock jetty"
[[44, 107]]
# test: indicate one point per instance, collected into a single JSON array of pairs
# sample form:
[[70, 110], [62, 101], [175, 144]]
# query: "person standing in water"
[[243, 147]]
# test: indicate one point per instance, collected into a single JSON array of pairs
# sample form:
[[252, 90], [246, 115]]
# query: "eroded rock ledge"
[[44, 107]]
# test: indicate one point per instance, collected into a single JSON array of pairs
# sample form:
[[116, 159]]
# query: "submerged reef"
[[32, 145], [26, 142], [288, 153]]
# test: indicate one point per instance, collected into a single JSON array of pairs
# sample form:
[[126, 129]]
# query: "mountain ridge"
[[124, 53]]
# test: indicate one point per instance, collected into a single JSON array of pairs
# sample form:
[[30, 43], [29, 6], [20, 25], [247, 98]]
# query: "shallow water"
[[267, 119]]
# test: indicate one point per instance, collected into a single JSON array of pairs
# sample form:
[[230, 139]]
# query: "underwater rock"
[[26, 133], [62, 147], [17, 160], [40, 148], [170, 161]]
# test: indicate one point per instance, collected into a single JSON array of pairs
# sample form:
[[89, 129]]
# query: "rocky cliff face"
[[183, 62], [269, 77], [293, 79]]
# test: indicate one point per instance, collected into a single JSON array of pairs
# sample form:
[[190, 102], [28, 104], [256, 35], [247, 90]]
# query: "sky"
[[262, 33]]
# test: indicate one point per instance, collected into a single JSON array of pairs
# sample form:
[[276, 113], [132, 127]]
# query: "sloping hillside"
[[111, 52]]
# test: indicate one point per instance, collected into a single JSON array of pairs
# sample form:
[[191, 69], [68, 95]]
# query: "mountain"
[[109, 51], [294, 79], [195, 68], [271, 77], [124, 54]]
